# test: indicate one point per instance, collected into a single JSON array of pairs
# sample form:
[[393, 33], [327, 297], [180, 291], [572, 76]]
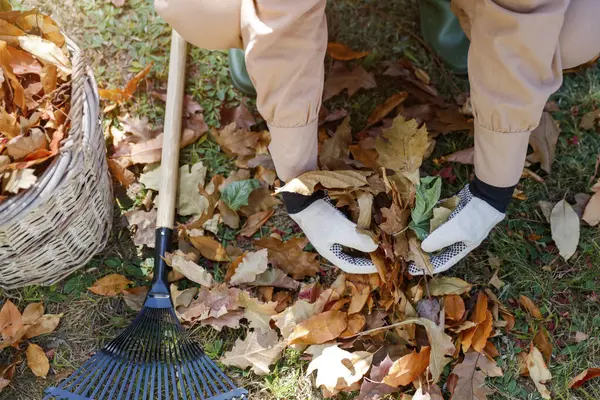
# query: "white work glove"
[[468, 225], [328, 230]]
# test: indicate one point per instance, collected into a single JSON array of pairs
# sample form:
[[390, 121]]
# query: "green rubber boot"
[[239, 74], [441, 30]]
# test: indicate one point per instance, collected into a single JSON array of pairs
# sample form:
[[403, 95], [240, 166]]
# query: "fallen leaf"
[[135, 297], [230, 217], [257, 313], [358, 298], [43, 325], [209, 248], [3, 383], [367, 157], [49, 78], [580, 337], [261, 199], [122, 174], [253, 264], [564, 223], [591, 214], [443, 285], [37, 360], [10, 320], [20, 146], [373, 388], [230, 320], [339, 51], [408, 368], [319, 328], [530, 306], [236, 194], [259, 350], [145, 226], [31, 313], [396, 219], [440, 216], [110, 285], [305, 183], [471, 373], [183, 298], [9, 125], [429, 308], [237, 141], [356, 322], [277, 278], [211, 303], [384, 109], [585, 376], [20, 179], [482, 333], [465, 156], [290, 257], [335, 364], [133, 83], [10, 33], [340, 78], [454, 307], [495, 281], [418, 256], [140, 128], [543, 139], [538, 371], [334, 150], [589, 119], [150, 151], [542, 342], [46, 51], [255, 222], [22, 62], [189, 199], [298, 312], [239, 115], [402, 147], [546, 208], [191, 270]]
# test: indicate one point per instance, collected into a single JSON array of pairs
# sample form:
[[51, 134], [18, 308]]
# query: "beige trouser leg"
[[284, 43], [209, 24], [580, 35]]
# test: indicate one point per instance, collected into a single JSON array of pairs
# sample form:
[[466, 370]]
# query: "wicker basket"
[[55, 227]]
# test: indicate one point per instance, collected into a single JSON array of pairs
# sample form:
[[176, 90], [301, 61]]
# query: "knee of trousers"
[[209, 24], [579, 39]]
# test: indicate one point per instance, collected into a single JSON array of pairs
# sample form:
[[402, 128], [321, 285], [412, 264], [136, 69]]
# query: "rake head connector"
[[153, 358]]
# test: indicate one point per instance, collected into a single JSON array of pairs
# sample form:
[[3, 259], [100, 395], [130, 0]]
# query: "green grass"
[[121, 41]]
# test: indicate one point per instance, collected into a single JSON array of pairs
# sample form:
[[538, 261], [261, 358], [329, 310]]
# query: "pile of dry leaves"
[[377, 334], [35, 97]]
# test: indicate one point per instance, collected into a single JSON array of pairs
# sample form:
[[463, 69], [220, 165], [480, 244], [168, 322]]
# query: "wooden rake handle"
[[172, 133]]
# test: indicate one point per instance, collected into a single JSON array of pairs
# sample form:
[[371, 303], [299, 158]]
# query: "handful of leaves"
[[35, 97]]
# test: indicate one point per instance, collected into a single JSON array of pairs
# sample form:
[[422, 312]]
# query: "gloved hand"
[[481, 207], [328, 230]]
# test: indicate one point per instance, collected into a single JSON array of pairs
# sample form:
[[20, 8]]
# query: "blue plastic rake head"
[[153, 358]]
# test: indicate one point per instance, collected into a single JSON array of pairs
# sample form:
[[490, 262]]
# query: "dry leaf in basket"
[[35, 63]]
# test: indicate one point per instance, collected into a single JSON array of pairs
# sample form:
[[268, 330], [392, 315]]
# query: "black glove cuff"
[[295, 202], [497, 197]]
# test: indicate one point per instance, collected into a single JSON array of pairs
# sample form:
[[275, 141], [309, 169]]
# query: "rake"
[[154, 358]]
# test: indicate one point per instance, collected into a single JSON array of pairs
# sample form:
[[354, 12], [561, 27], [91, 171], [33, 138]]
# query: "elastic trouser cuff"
[[294, 150], [500, 157]]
